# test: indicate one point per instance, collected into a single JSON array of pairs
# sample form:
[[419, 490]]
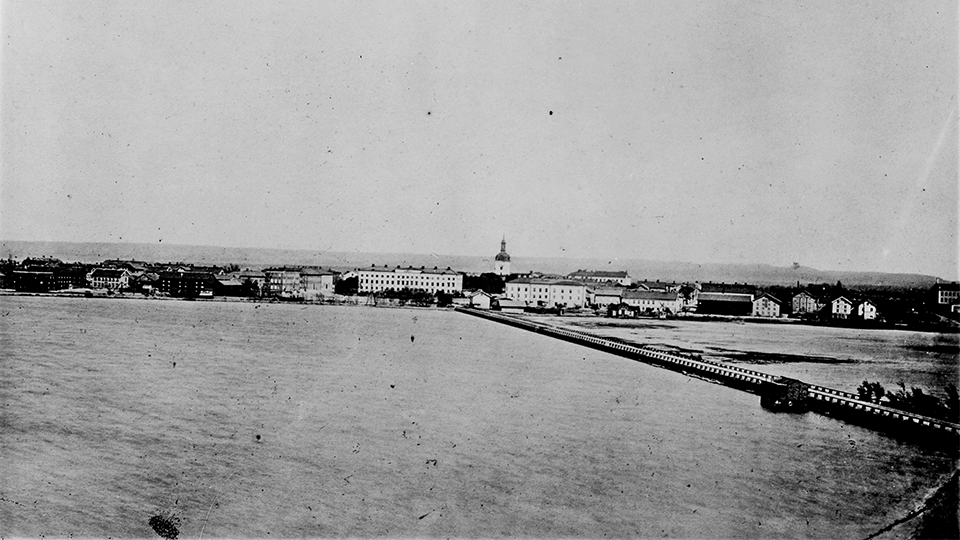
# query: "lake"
[[285, 420]]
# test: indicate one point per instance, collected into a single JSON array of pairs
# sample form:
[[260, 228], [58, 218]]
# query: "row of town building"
[[614, 291]]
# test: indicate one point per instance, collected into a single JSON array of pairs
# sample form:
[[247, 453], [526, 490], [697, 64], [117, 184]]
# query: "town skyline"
[[471, 264], [745, 133]]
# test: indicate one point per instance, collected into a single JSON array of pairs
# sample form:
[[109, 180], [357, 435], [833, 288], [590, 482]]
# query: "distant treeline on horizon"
[[258, 258]]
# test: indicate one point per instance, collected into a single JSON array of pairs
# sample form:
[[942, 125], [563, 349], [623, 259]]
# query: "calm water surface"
[[277, 420]]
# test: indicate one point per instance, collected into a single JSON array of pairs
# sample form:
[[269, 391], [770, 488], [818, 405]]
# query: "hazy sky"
[[717, 131]]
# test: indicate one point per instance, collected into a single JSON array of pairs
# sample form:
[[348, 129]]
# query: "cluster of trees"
[[915, 401], [488, 282]]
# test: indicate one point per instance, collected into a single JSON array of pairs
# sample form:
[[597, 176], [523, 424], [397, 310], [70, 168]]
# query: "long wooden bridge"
[[820, 399]]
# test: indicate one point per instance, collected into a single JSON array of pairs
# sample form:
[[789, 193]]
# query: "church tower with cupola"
[[501, 265]]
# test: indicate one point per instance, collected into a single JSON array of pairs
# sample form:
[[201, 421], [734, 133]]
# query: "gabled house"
[[806, 302], [865, 310], [480, 299], [766, 305], [109, 278], [840, 308]]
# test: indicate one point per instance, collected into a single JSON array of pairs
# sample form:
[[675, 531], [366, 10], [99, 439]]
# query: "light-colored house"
[[604, 296], [653, 301], [805, 302], [865, 310], [841, 308], [316, 282], [109, 278], [602, 276], [766, 305], [480, 299], [547, 292]]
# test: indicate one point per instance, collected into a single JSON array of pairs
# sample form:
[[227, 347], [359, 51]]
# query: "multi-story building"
[[945, 296], [865, 310], [187, 284], [282, 281], [33, 280], [805, 302], [54, 276], [109, 278], [841, 308], [547, 292], [316, 282], [766, 305], [601, 276], [373, 279]]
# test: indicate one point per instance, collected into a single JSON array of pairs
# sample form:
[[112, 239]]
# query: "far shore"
[[340, 300]]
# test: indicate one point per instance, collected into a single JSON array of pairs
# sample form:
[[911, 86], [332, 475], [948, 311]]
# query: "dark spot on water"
[[411, 339], [174, 364], [258, 438], [551, 113], [167, 526], [391, 386]]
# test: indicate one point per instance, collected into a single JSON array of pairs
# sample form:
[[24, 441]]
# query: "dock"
[[777, 393]]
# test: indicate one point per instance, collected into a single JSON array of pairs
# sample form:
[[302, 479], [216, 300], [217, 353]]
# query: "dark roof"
[[316, 272], [727, 288], [650, 295], [947, 286], [107, 272], [598, 274], [768, 296], [547, 281], [409, 270], [608, 291], [656, 284], [720, 297]]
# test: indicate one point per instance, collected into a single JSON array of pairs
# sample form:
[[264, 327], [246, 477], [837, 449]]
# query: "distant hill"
[[756, 274]]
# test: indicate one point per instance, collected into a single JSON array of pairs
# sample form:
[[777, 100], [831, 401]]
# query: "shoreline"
[[937, 515], [341, 300]]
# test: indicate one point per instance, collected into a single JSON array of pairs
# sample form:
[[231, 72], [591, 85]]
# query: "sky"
[[819, 133]]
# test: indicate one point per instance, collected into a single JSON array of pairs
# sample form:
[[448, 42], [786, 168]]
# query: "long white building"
[[376, 279], [547, 292]]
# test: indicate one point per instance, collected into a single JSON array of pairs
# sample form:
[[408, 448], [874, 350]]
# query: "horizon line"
[[434, 254]]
